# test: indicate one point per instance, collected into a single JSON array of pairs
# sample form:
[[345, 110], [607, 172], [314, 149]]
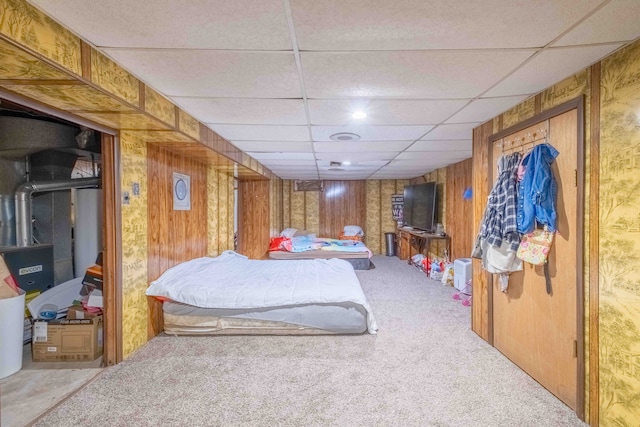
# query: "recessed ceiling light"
[[347, 163], [359, 114], [344, 136]]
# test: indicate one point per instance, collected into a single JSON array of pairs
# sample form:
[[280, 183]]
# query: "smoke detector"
[[344, 136]]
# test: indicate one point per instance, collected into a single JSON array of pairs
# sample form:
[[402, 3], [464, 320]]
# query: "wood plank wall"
[[253, 218], [342, 203], [459, 221], [480, 309], [174, 236]]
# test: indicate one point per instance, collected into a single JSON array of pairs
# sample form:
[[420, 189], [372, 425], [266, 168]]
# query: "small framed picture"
[[181, 192]]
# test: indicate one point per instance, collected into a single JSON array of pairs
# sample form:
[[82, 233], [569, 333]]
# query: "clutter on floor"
[[63, 322]]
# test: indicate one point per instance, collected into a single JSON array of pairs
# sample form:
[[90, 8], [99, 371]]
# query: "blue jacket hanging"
[[538, 190]]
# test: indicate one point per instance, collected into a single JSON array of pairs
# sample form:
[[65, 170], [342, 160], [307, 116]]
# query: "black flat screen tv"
[[419, 210]]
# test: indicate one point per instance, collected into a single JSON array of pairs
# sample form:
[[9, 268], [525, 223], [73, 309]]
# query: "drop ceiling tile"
[[360, 146], [281, 155], [382, 112], [485, 109], [372, 133], [273, 146], [293, 169], [357, 165], [412, 164], [617, 21], [416, 74], [343, 175], [450, 145], [420, 24], [262, 132], [213, 73], [434, 156], [282, 162], [253, 111], [549, 67], [204, 24], [454, 131], [365, 156]]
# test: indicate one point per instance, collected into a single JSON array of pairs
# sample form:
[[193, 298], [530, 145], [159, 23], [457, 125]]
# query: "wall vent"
[[308, 185]]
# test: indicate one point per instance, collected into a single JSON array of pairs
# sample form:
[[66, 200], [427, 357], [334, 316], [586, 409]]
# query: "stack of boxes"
[[79, 337]]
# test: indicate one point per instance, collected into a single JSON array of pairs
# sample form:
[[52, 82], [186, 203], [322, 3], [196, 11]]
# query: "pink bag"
[[535, 246]]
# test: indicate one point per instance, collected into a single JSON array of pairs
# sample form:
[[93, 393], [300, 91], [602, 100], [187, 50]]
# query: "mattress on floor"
[[310, 319], [359, 260]]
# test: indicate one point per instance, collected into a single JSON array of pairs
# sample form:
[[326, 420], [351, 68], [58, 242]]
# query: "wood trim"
[[39, 82], [65, 115], [112, 252], [142, 90], [85, 60], [537, 104], [577, 104], [594, 249], [481, 320]]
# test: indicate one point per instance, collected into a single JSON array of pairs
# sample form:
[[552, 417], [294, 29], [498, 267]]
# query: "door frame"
[[577, 104], [112, 236]]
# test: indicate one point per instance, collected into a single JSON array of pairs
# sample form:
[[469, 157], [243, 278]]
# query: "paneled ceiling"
[[280, 78]]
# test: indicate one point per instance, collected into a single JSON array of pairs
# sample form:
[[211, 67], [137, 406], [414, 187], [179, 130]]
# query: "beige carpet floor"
[[424, 368]]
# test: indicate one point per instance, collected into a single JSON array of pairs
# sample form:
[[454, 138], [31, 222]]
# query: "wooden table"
[[413, 241]]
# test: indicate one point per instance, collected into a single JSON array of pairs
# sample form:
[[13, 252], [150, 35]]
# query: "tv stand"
[[411, 242]]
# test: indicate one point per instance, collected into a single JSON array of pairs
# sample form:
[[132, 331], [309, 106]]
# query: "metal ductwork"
[[24, 231]]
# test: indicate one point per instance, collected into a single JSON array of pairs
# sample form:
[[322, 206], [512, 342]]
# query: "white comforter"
[[233, 281]]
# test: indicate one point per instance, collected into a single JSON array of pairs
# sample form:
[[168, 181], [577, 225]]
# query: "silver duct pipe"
[[24, 230]]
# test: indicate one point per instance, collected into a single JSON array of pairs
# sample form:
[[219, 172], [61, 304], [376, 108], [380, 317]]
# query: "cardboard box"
[[93, 278], [67, 340], [77, 313]]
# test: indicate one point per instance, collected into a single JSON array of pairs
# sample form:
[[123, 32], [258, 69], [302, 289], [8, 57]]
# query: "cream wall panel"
[[312, 212], [372, 228], [213, 244], [133, 169]]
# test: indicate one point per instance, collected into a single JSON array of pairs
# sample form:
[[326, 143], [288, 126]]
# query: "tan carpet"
[[424, 368]]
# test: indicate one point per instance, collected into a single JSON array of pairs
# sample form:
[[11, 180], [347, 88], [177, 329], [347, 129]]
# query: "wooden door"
[[535, 330]]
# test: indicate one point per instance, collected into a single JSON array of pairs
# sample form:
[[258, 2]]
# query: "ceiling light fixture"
[[347, 163], [359, 115], [344, 136]]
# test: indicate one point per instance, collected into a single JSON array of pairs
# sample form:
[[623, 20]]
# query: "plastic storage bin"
[[462, 275], [11, 334]]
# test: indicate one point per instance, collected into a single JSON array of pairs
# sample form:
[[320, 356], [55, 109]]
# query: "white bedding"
[[233, 281]]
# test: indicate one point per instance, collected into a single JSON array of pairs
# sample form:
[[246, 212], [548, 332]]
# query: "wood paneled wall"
[[457, 212], [174, 236], [253, 218], [342, 203], [480, 170]]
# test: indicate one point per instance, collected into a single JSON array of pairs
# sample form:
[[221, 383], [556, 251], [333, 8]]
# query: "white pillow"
[[288, 232], [353, 230]]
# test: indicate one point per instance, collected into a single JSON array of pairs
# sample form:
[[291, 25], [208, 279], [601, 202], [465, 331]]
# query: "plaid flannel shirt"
[[500, 221]]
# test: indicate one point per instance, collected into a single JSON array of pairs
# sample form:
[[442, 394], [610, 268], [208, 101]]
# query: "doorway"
[[543, 332]]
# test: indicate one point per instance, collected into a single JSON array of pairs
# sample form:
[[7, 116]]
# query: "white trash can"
[[11, 334]]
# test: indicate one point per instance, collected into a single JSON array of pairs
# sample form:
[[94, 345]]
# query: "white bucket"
[[11, 334]]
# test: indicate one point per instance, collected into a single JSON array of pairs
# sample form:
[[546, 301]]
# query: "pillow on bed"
[[353, 230], [299, 233], [276, 243], [288, 232]]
